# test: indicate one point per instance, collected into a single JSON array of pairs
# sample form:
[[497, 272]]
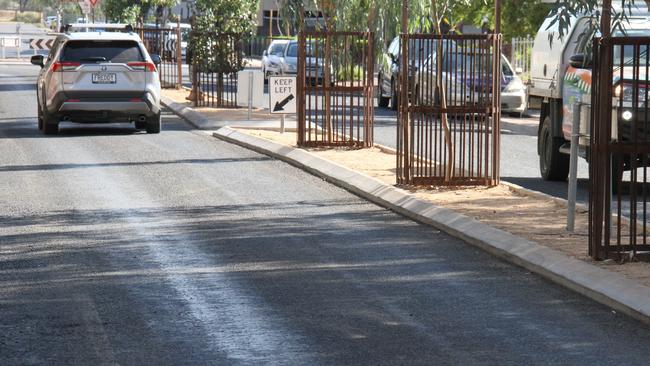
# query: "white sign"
[[10, 41], [282, 92]]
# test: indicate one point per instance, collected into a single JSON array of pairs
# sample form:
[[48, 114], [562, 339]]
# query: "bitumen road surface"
[[118, 247]]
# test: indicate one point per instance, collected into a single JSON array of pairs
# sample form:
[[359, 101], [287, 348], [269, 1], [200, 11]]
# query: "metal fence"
[[449, 110], [254, 46], [620, 149], [214, 71], [165, 42], [521, 53], [335, 89]]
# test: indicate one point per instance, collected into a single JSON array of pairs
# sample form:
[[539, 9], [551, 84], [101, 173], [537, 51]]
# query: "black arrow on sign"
[[279, 106]]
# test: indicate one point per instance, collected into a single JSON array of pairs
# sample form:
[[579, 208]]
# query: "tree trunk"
[[449, 166]]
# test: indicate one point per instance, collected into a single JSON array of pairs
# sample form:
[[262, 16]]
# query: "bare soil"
[[533, 218]]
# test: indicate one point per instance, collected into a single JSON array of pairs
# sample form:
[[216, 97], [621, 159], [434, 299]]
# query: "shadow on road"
[[330, 270], [42, 167], [17, 87]]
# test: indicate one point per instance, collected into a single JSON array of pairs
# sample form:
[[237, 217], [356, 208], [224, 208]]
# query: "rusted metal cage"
[[214, 70], [449, 109], [165, 42], [335, 88], [619, 153]]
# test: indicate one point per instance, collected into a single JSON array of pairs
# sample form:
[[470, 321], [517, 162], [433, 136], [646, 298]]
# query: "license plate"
[[104, 78]]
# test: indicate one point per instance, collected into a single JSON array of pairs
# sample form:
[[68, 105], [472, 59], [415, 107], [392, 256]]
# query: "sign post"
[[282, 96]]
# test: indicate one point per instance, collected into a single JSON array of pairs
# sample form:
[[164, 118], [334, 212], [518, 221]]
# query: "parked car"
[[314, 69], [272, 58], [513, 91], [98, 77], [389, 71], [469, 85]]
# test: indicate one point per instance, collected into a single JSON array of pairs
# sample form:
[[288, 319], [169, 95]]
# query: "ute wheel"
[[553, 164], [50, 124], [394, 102], [154, 124]]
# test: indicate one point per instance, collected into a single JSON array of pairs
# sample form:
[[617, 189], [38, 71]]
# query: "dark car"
[[388, 74], [389, 67]]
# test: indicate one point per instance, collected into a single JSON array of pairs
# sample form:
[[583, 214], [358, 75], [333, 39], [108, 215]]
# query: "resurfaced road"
[[119, 247]]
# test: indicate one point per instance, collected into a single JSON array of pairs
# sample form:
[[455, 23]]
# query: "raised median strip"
[[607, 287]]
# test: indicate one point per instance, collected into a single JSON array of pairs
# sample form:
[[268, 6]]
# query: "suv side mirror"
[[265, 53], [579, 61], [38, 60], [156, 59]]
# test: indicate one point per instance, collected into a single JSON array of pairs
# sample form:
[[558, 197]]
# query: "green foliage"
[[518, 18], [564, 10], [218, 26], [121, 11], [354, 73], [129, 11], [29, 17]]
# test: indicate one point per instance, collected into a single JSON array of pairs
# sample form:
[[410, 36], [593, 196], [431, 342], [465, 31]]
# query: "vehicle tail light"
[[65, 66], [135, 100], [73, 100], [146, 66]]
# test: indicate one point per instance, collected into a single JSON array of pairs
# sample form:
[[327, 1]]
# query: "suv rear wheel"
[[154, 123], [552, 163], [40, 118], [50, 124]]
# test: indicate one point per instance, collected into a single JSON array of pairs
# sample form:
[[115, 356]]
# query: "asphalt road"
[[118, 247]]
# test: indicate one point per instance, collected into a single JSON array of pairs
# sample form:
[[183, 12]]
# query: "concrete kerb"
[[608, 288]]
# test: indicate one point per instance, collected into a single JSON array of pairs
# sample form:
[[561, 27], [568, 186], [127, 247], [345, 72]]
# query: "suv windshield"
[[277, 48], [312, 50], [102, 51]]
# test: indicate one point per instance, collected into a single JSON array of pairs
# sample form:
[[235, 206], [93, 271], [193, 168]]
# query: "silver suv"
[[98, 77]]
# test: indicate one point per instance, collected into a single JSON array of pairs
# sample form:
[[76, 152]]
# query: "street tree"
[[130, 11]]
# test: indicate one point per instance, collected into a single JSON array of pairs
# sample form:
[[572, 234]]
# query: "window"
[[277, 49], [102, 51], [292, 50]]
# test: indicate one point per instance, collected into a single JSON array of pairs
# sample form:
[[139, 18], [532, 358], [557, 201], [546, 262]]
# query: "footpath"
[[521, 226]]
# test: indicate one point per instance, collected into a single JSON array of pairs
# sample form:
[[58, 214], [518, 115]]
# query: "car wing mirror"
[[37, 60], [579, 61], [156, 59], [265, 53]]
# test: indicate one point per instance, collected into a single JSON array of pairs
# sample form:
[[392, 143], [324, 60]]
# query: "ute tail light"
[[65, 66], [146, 66]]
